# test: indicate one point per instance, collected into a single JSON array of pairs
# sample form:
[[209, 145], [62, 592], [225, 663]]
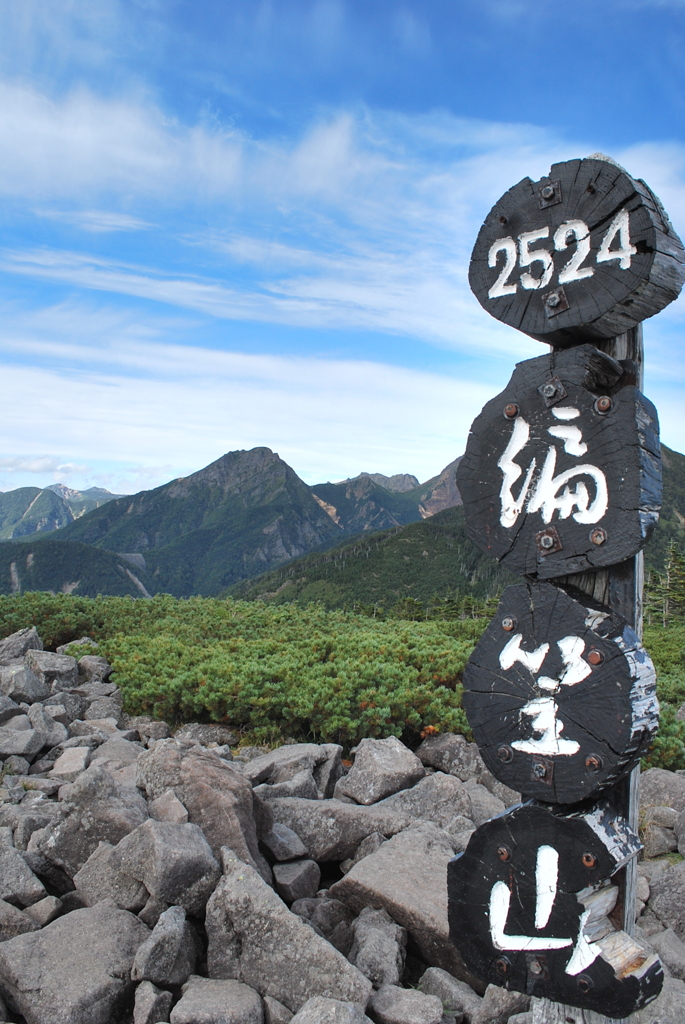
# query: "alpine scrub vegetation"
[[269, 671]]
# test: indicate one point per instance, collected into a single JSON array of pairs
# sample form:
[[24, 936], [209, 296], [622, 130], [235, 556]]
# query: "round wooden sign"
[[527, 910], [561, 698], [587, 252], [562, 471]]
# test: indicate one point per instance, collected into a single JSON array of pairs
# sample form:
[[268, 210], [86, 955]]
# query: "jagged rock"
[[408, 877], [456, 996], [74, 971], [283, 844], [101, 879], [84, 641], [45, 910], [16, 645], [117, 750], [658, 840], [381, 767], [150, 730], [378, 947], [58, 713], [174, 862], [331, 829], [74, 703], [20, 684], [301, 785], [275, 1012], [394, 1005], [671, 951], [49, 874], [661, 787], [97, 810], [285, 763], [14, 922], [667, 897], [508, 796], [92, 667], [15, 765], [656, 815], [329, 1011], [196, 732], [55, 732], [437, 798], [297, 879], [484, 804], [667, 1008], [8, 709], [152, 911], [498, 1005], [327, 772], [103, 729], [152, 1004], [255, 938], [105, 707], [18, 884], [70, 764], [168, 956], [55, 671], [168, 807], [216, 795], [367, 846], [207, 1001], [679, 829], [449, 752]]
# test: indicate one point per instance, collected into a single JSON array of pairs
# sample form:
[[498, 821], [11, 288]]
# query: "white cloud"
[[96, 221], [40, 464]]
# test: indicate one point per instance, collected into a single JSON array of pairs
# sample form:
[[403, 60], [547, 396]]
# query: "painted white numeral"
[[580, 233], [528, 257], [500, 287], [620, 226]]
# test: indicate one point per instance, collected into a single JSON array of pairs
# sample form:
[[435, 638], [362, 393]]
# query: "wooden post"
[[620, 588]]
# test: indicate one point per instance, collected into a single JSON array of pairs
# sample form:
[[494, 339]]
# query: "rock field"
[[148, 877]]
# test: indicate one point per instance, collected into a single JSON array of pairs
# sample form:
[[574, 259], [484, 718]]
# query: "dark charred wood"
[[616, 436], [529, 904], [619, 293]]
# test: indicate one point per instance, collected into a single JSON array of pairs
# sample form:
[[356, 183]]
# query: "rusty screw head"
[[546, 541], [598, 535], [511, 410], [535, 967], [553, 301], [505, 754], [539, 770], [508, 623], [503, 852], [603, 405], [502, 964], [503, 220], [595, 657], [593, 762], [547, 192], [585, 983], [589, 860]]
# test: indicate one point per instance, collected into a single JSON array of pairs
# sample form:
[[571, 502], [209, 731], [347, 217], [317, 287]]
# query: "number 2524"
[[566, 234]]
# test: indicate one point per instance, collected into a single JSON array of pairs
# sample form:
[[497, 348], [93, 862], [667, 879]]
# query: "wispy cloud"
[[40, 464], [96, 221]]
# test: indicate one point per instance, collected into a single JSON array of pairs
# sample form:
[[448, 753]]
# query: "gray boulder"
[[484, 804], [105, 707], [174, 862], [657, 839], [168, 807], [667, 1008], [283, 844], [331, 829], [70, 764], [18, 884], [303, 785], [671, 951], [297, 879], [74, 704], [381, 767], [216, 795], [667, 898], [56, 671], [15, 646], [74, 971], [8, 709], [456, 996], [254, 938], [275, 1012], [55, 732], [168, 957], [204, 734], [499, 1005], [152, 1004], [45, 910], [394, 1005], [285, 763], [661, 787], [22, 685], [330, 1011], [92, 667], [437, 798], [449, 752], [378, 947], [97, 809], [206, 1001], [100, 879], [14, 922], [408, 877], [20, 742], [367, 846]]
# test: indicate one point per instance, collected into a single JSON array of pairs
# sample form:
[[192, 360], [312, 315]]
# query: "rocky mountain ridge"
[[34, 510]]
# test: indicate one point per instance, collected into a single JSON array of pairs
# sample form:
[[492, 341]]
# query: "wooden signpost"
[[561, 481]]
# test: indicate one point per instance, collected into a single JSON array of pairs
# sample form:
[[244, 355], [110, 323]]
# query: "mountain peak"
[[400, 482]]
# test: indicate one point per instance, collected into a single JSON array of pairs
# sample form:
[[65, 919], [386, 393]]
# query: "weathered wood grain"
[[560, 695], [535, 464], [603, 296], [529, 908]]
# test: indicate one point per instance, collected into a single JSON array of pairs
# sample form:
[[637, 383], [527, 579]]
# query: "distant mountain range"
[[248, 526], [29, 510], [245, 513]]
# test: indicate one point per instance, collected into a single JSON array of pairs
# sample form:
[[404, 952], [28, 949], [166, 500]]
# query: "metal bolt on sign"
[[561, 481]]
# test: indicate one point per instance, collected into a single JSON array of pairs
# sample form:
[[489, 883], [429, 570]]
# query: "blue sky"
[[229, 223]]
